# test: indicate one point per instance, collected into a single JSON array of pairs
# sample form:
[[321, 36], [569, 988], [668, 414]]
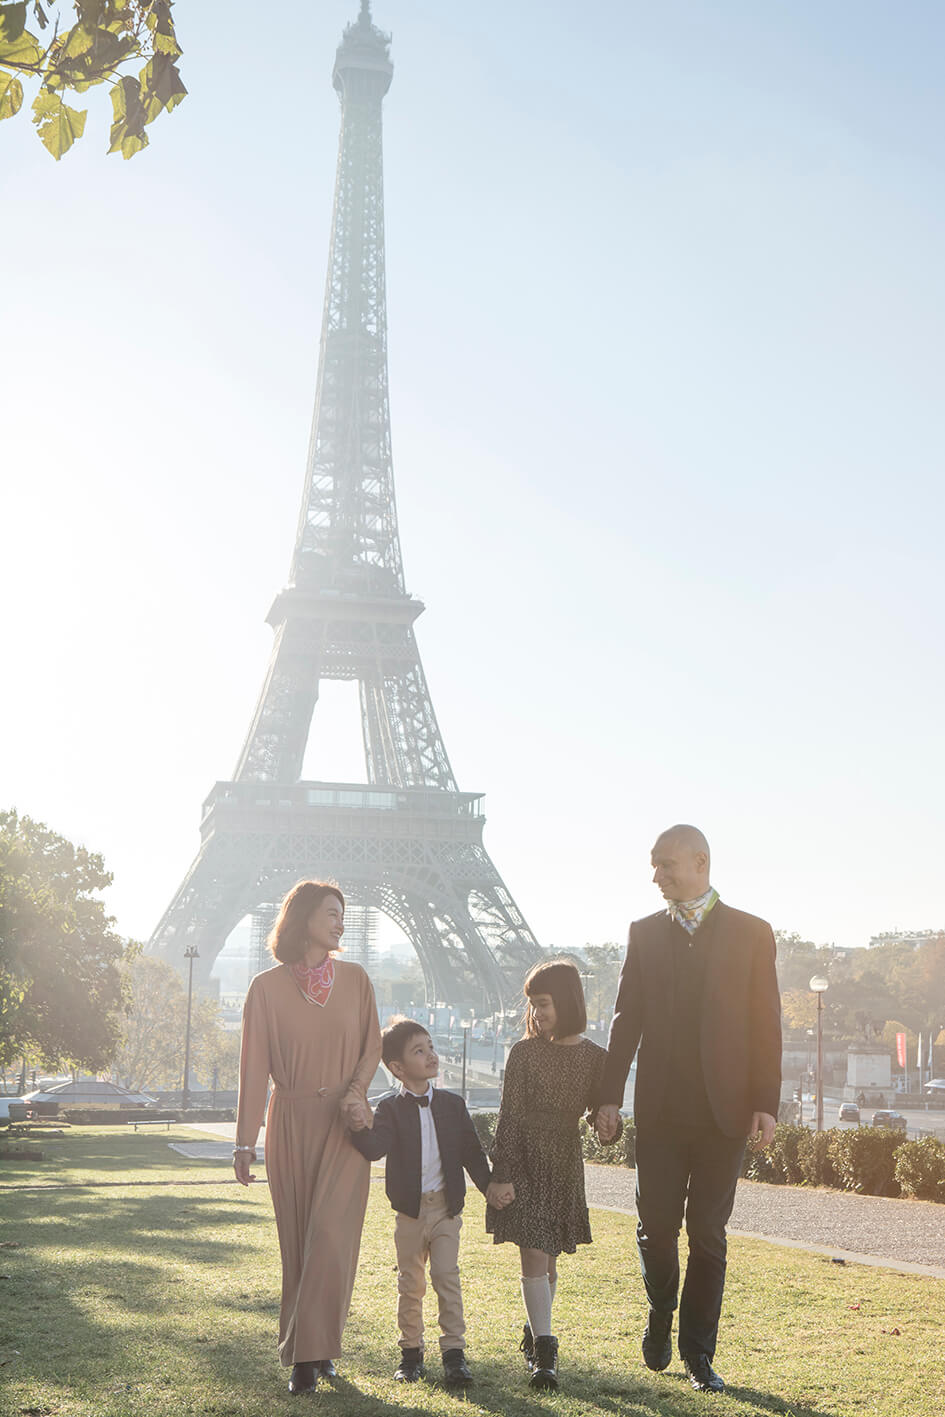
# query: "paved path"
[[904, 1235]]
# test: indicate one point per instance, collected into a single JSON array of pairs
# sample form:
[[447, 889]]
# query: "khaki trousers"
[[434, 1235]]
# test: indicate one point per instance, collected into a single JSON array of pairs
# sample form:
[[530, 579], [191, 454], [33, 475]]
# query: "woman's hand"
[[499, 1194], [359, 1117], [242, 1161]]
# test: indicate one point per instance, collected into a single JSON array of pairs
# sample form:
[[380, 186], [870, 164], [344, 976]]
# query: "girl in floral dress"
[[552, 1079]]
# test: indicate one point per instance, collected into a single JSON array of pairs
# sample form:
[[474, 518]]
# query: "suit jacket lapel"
[[714, 943]]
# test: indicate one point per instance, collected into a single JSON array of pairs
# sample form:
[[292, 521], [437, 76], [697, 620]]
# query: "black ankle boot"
[[411, 1365], [527, 1346], [545, 1371]]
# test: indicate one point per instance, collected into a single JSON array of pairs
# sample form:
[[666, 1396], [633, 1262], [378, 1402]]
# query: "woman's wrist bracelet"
[[243, 1148]]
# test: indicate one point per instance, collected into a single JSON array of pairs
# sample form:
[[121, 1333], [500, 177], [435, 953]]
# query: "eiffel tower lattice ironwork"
[[407, 842]]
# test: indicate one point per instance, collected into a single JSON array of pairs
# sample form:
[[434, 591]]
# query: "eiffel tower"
[[406, 842]]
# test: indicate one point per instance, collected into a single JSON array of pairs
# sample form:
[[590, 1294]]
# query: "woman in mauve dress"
[[310, 1025]]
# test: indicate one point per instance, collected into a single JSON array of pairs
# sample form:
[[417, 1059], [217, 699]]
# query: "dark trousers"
[[692, 1171]]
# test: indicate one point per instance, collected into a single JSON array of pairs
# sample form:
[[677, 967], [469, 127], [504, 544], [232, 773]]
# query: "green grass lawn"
[[125, 1300]]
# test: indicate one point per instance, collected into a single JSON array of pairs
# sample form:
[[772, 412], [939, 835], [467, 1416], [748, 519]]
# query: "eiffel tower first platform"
[[406, 842]]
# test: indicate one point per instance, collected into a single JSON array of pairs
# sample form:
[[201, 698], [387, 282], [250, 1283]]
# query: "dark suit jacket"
[[396, 1135], [740, 1038]]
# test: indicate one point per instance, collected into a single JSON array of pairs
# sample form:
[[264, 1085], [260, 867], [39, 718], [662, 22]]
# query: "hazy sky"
[[666, 304]]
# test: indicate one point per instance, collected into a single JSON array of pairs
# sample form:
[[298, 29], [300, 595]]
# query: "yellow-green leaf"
[[78, 41], [11, 95], [58, 124], [22, 50], [12, 21], [126, 142]]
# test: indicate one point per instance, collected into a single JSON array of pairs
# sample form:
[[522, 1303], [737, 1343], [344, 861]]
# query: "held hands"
[[761, 1131], [359, 1116], [608, 1118], [499, 1194]]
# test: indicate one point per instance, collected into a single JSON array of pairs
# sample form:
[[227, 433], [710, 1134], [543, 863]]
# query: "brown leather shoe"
[[304, 1378]]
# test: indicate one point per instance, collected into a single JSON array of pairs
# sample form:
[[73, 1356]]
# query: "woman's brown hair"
[[288, 938], [560, 979]]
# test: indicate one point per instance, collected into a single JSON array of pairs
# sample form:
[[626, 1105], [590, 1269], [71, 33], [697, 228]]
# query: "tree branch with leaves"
[[107, 38]]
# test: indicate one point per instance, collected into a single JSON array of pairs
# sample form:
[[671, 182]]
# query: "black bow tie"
[[423, 1101]]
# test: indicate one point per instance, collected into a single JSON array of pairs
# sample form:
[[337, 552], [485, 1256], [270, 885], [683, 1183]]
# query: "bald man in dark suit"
[[698, 996]]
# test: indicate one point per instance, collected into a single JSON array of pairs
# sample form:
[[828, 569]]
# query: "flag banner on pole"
[[901, 1049]]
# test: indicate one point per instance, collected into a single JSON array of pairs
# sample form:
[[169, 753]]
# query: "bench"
[[165, 1122]]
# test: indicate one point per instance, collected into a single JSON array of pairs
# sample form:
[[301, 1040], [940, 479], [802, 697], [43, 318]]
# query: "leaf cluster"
[[107, 37]]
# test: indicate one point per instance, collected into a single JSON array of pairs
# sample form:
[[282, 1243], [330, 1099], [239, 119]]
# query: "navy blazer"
[[396, 1135], [740, 1034]]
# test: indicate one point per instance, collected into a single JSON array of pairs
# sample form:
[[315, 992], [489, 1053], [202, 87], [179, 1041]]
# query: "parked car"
[[849, 1112], [885, 1118]]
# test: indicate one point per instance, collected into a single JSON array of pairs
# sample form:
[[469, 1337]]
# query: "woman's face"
[[544, 1014], [326, 924]]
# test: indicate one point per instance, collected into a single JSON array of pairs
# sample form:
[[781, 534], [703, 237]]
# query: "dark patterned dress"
[[547, 1090]]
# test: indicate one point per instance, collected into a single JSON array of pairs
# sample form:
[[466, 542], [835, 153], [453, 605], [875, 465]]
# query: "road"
[[917, 1119]]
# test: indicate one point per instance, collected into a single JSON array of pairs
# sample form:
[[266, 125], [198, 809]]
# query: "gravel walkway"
[[903, 1234]]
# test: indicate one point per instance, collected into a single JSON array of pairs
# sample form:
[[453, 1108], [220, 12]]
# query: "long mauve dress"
[[319, 1059]]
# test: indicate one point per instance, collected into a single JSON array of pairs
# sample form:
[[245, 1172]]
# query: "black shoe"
[[327, 1368], [702, 1375], [455, 1368], [527, 1346], [545, 1371], [304, 1378], [658, 1341], [411, 1366]]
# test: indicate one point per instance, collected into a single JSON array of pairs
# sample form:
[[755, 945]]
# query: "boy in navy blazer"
[[429, 1140]]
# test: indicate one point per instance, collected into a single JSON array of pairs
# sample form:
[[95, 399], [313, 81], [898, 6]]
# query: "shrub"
[[920, 1169], [779, 1163], [814, 1159], [484, 1122], [864, 1159]]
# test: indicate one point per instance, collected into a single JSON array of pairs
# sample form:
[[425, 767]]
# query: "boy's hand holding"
[[359, 1116], [499, 1194]]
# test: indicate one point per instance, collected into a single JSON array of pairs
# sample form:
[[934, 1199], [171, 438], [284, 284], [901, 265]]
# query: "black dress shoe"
[[327, 1368], [411, 1366], [304, 1378], [658, 1341], [455, 1368], [702, 1375]]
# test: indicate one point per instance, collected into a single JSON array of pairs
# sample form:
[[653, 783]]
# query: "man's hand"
[[242, 1161], [499, 1194], [608, 1116], [761, 1131]]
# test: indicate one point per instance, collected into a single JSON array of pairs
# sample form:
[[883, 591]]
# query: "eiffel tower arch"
[[406, 842]]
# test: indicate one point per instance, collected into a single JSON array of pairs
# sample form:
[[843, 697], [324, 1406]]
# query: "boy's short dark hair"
[[560, 979], [396, 1036]]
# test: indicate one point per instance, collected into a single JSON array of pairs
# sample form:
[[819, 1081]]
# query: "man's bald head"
[[680, 860], [690, 838]]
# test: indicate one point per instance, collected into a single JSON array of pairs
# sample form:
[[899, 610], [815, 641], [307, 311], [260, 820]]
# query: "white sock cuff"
[[536, 1293]]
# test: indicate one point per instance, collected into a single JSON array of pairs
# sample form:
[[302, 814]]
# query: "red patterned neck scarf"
[[315, 981]]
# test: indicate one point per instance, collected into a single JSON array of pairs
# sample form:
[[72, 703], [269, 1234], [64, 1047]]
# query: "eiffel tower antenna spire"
[[406, 841]]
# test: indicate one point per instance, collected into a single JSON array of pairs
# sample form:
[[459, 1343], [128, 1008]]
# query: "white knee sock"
[[553, 1286], [536, 1293]]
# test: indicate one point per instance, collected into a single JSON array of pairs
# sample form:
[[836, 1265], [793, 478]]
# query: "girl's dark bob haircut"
[[560, 979], [288, 938]]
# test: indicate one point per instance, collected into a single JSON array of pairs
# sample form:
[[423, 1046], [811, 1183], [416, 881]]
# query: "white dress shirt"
[[431, 1164]]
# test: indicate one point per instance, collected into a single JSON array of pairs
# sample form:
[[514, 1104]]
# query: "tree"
[[152, 1049], [61, 989], [108, 37]]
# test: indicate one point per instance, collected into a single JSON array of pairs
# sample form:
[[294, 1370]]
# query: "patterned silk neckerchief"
[[691, 913], [315, 982]]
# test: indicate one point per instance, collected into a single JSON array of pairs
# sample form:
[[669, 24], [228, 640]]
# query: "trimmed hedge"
[[874, 1161]]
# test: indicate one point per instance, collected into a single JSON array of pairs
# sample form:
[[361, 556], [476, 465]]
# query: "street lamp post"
[[585, 974], [190, 954], [819, 984]]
